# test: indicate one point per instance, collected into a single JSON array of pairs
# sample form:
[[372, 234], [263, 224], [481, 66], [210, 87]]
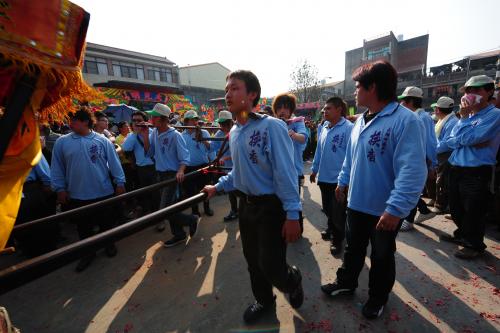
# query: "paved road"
[[204, 286]]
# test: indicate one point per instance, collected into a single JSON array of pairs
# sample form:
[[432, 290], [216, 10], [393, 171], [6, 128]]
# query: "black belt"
[[257, 199], [478, 169]]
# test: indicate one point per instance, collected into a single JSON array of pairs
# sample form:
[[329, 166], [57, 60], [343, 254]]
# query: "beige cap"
[[224, 115], [160, 110], [444, 102], [412, 92], [191, 114]]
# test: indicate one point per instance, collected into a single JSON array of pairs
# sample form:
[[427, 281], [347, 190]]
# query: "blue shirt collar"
[[340, 123], [484, 110], [89, 136], [252, 116]]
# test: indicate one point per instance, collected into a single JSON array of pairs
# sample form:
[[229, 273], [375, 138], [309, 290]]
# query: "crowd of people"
[[372, 170]]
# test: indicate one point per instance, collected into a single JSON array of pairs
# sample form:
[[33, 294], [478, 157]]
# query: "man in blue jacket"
[[225, 121], [412, 98], [144, 165], [443, 109], [262, 154], [171, 157], [475, 140], [284, 106], [384, 172], [83, 169], [198, 158], [328, 160]]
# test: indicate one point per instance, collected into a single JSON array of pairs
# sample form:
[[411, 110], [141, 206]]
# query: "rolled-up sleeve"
[[281, 157], [409, 177]]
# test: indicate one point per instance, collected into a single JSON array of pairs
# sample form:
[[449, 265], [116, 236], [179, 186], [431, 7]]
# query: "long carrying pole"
[[29, 270], [106, 202]]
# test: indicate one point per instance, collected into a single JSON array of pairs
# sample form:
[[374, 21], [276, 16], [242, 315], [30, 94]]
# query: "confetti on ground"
[[321, 326]]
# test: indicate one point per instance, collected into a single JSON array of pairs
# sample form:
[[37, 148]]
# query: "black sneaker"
[[451, 239], [84, 263], [207, 210], [372, 309], [111, 250], [425, 210], [296, 297], [334, 289], [256, 311], [231, 216], [174, 241], [193, 228], [335, 248], [326, 234]]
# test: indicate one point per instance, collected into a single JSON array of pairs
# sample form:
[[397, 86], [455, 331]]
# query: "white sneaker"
[[424, 217], [406, 226]]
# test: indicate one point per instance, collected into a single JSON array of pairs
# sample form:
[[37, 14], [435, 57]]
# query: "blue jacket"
[[262, 154], [168, 149], [429, 136], [134, 143], [481, 127], [81, 165], [40, 172], [216, 145], [298, 148], [331, 150], [198, 152], [442, 146], [385, 166]]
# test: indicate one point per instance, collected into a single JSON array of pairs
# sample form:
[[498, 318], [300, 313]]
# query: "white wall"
[[212, 76]]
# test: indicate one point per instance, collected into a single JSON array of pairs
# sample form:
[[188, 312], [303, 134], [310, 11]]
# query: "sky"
[[271, 37]]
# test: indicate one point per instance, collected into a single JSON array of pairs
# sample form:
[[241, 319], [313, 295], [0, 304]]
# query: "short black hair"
[[382, 74], [252, 83], [142, 114], [121, 124], [417, 102], [98, 115], [445, 110], [84, 114], [285, 100], [338, 102]]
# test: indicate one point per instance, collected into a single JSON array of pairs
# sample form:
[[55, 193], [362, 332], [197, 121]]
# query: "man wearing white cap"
[[198, 158], [226, 122], [475, 140], [412, 99], [171, 156], [443, 109]]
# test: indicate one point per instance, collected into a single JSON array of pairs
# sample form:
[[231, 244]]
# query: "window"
[[117, 71], [95, 66], [140, 72], [102, 68], [90, 67]]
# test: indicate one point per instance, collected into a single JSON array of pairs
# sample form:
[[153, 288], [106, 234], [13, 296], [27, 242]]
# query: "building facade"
[[111, 67], [203, 82], [409, 57]]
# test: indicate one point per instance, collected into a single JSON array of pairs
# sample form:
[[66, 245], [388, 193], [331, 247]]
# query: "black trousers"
[[36, 204], [442, 181], [264, 248], [301, 216], [468, 194], [147, 176], [421, 207], [233, 200], [104, 217], [334, 211], [194, 185], [360, 229], [168, 197]]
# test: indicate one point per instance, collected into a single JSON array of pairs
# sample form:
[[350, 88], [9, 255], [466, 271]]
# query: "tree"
[[305, 82]]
